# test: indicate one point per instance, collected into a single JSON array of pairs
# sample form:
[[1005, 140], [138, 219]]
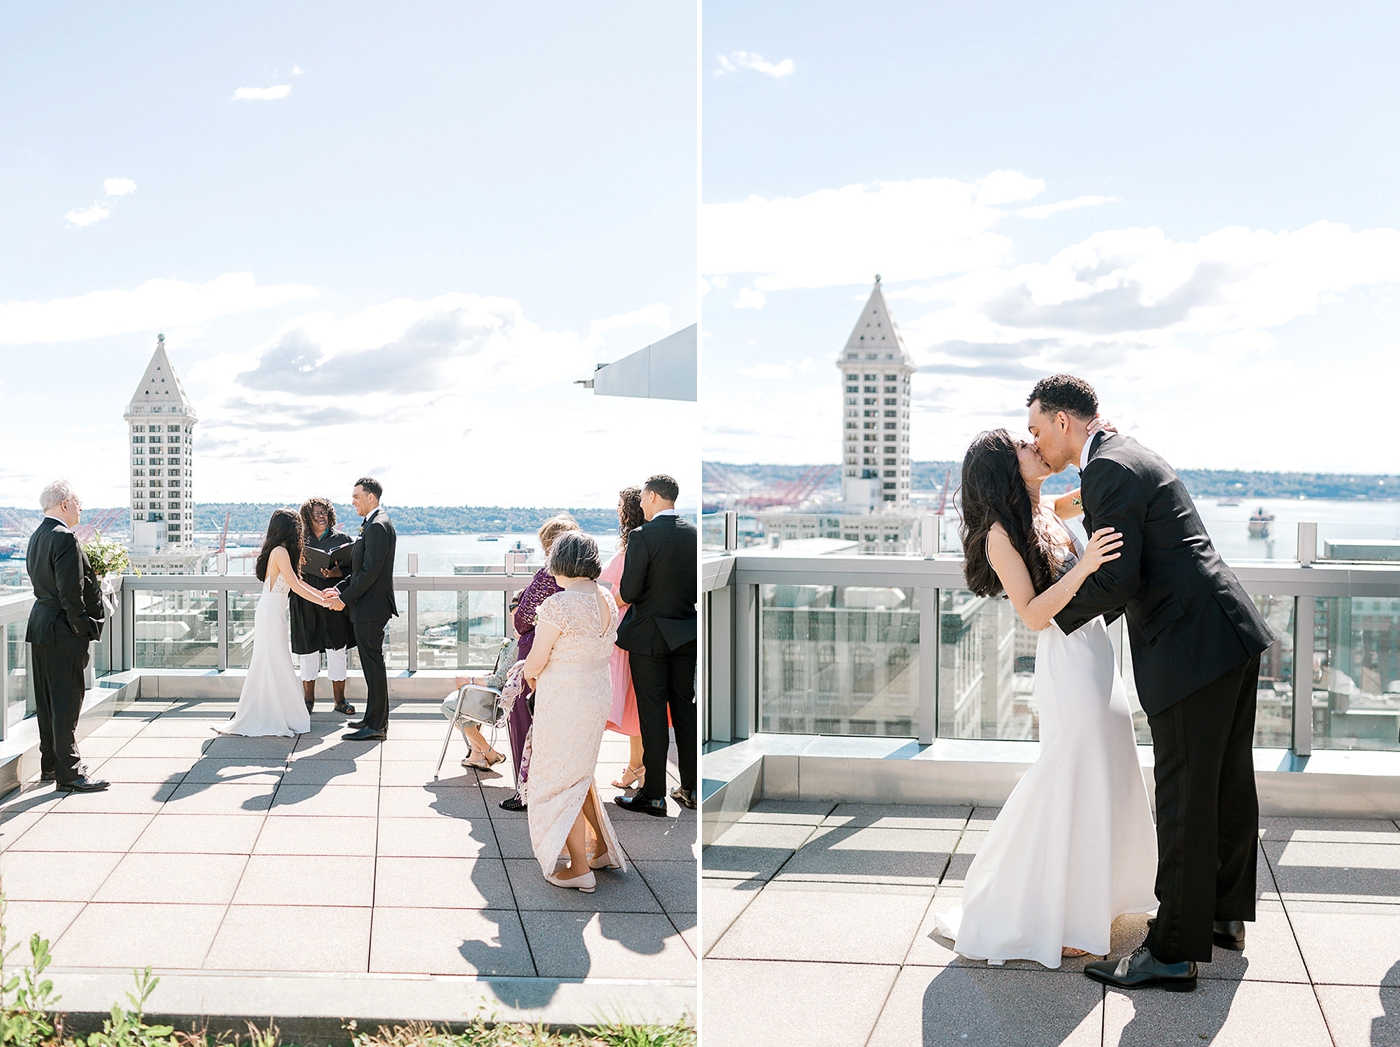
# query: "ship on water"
[[1259, 522]]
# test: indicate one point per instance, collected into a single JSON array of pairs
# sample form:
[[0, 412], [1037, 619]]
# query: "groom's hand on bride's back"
[[1102, 547]]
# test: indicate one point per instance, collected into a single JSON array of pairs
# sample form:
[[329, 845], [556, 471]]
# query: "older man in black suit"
[[368, 597], [1196, 639], [659, 635], [67, 614]]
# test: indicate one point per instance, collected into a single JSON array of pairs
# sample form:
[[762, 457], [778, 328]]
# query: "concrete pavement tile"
[[444, 883], [762, 1003], [233, 746], [46, 919], [1222, 1013], [930, 949], [837, 923], [664, 839], [982, 818], [513, 838], [220, 798], [899, 816], [31, 798], [245, 770], [1361, 870], [494, 791], [61, 831], [425, 801], [437, 838], [751, 849], [182, 748], [132, 935], [419, 773], [789, 812], [724, 901], [332, 772], [208, 879], [156, 770], [607, 945], [321, 938], [688, 926], [185, 727], [1344, 947], [873, 855], [485, 942], [54, 875], [1329, 830], [968, 844], [15, 826], [344, 801], [300, 834], [116, 727], [101, 746], [984, 1006], [423, 750], [315, 880], [199, 834], [120, 798], [314, 747], [673, 883], [1361, 1016], [617, 892]]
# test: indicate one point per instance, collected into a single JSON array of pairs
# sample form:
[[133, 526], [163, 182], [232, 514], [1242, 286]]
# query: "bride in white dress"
[[1074, 847], [272, 702]]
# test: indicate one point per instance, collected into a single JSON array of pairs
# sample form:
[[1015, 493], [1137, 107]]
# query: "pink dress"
[[623, 716]]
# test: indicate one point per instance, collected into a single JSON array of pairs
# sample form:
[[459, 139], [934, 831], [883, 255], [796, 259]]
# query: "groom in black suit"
[[659, 635], [1196, 639], [367, 596], [67, 614]]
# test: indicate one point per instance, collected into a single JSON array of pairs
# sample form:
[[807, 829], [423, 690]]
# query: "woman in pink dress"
[[623, 718]]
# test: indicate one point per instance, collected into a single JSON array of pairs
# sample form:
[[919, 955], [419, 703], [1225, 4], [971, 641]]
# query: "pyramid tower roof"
[[876, 332], [160, 386]]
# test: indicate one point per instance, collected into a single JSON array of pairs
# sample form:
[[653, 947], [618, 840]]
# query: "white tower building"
[[876, 371], [161, 420]]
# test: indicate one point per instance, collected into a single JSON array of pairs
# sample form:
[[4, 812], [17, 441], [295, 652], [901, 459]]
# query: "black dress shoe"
[[1142, 970], [1229, 934], [645, 804], [684, 797], [365, 734], [82, 784], [48, 776], [511, 803], [355, 723]]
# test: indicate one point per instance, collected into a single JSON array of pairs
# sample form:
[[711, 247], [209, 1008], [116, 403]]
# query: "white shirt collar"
[[372, 513], [664, 512], [1088, 449]]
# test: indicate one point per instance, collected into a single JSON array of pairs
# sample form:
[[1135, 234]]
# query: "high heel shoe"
[[638, 776], [604, 861], [585, 883]]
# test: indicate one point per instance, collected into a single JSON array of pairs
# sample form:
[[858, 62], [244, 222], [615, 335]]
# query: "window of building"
[[889, 461], [870, 401], [891, 377], [872, 388], [889, 472], [889, 486], [172, 429], [138, 439], [891, 401], [891, 414], [872, 378], [852, 388], [850, 399]]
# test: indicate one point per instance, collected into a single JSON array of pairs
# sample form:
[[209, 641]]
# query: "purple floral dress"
[[540, 589]]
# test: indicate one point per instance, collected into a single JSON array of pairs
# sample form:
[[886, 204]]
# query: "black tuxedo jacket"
[[368, 594], [659, 584], [68, 596], [1189, 619]]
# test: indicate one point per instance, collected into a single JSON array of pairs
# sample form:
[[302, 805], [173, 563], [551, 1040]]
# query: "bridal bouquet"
[[106, 556]]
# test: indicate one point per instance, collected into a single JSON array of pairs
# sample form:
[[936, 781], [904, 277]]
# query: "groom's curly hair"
[[1065, 392], [993, 491]]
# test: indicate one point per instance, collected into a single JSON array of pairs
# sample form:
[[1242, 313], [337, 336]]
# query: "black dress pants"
[[369, 639], [1207, 814], [666, 681], [58, 701]]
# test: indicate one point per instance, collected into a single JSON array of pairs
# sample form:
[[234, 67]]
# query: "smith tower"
[[161, 420], [876, 370]]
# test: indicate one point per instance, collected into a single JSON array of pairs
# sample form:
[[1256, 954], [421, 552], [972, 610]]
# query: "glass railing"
[[16, 692], [838, 640]]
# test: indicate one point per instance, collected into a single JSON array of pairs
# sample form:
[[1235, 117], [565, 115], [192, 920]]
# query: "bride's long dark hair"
[[993, 491], [284, 529]]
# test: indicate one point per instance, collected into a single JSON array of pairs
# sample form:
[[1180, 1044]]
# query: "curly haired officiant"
[[316, 628]]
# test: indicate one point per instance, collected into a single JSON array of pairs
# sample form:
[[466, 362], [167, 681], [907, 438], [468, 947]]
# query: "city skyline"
[[352, 228], [1149, 224]]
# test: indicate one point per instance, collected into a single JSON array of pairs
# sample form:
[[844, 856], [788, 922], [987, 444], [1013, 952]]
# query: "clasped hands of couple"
[[329, 598]]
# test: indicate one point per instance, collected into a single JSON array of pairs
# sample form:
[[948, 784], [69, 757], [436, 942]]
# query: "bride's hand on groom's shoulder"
[[1100, 424], [1102, 547]]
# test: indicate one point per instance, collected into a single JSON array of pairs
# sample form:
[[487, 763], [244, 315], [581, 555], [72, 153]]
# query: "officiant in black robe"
[[317, 629]]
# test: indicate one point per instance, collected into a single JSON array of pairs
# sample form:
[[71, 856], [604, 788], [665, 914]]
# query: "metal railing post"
[[746, 719], [225, 594], [731, 530], [929, 602], [1304, 627], [128, 613], [1307, 544], [413, 626], [4, 680]]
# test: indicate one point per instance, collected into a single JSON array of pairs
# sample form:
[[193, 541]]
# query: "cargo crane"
[[791, 492], [103, 518]]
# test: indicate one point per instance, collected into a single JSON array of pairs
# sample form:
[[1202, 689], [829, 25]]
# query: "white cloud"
[[265, 94], [88, 215], [736, 60], [655, 315], [750, 298], [118, 186], [777, 372], [296, 70], [1046, 210], [156, 304], [910, 230]]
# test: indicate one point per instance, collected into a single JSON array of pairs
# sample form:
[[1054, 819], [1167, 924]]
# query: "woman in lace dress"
[[623, 717], [271, 702], [568, 667]]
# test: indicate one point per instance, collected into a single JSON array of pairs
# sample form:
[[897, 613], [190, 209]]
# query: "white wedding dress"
[[272, 702], [1074, 846]]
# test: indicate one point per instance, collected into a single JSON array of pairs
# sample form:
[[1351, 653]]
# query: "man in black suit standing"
[[367, 596], [659, 635], [1196, 638], [67, 614]]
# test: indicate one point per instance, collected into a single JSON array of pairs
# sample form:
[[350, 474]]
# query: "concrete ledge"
[[1337, 783], [325, 1002]]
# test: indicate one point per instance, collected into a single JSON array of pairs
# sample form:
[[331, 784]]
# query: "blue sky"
[[465, 205], [1193, 207]]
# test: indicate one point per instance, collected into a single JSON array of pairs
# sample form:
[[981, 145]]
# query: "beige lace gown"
[[572, 702]]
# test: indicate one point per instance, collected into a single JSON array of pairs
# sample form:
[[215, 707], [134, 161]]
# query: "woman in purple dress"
[[541, 588]]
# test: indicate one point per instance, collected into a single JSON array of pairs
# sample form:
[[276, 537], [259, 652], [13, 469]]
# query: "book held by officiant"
[[320, 559]]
